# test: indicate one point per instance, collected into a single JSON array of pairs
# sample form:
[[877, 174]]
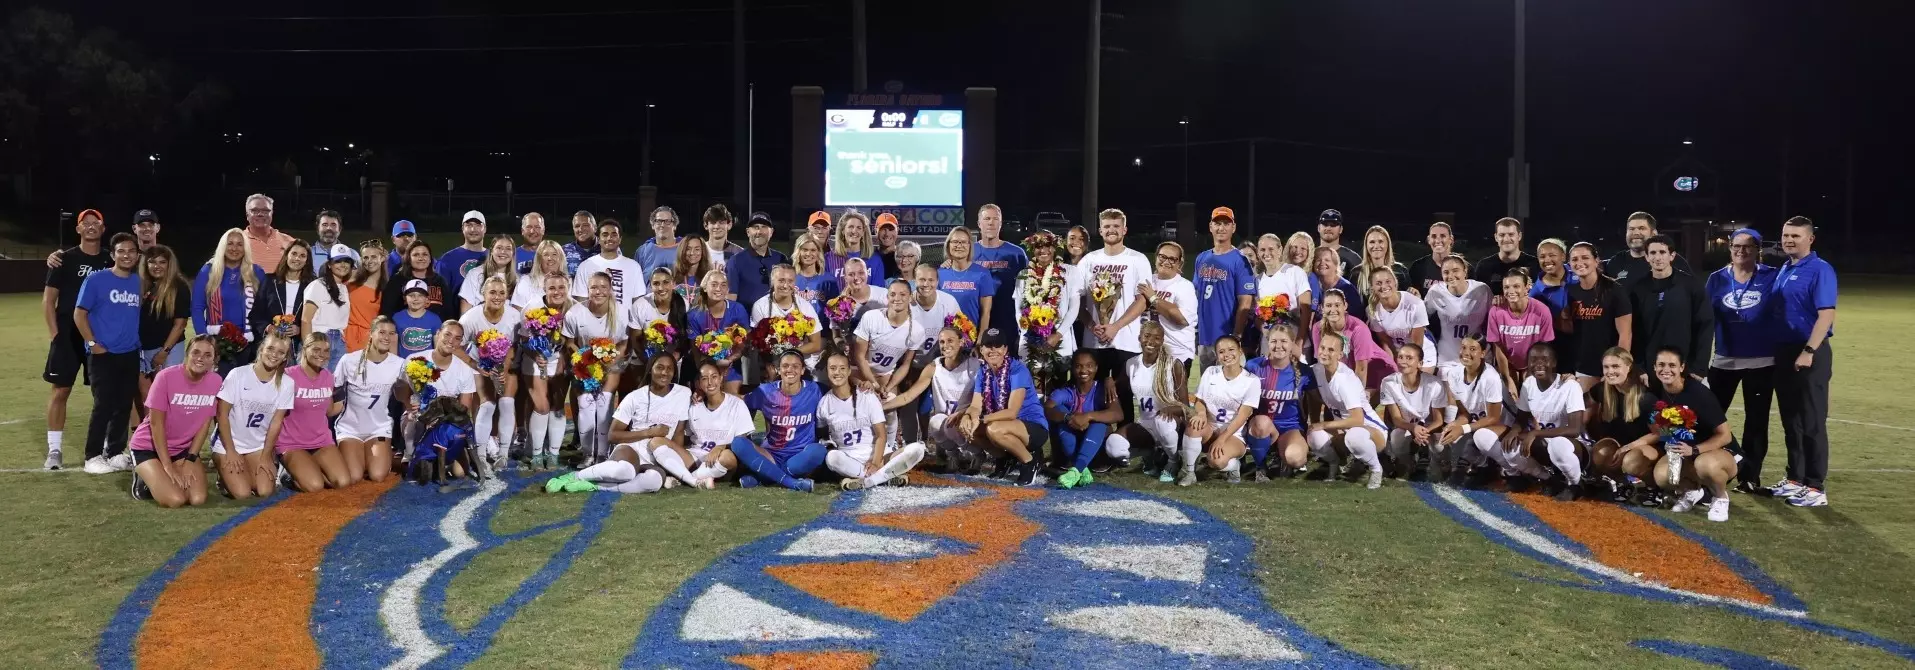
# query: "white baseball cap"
[[473, 215], [417, 285], [340, 252]]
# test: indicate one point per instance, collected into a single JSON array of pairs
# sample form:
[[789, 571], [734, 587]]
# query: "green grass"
[[1379, 572]]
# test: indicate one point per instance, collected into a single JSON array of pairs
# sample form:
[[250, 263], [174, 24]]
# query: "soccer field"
[[1291, 572]]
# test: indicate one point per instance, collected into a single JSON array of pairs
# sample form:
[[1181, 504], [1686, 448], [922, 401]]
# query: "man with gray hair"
[[267, 243]]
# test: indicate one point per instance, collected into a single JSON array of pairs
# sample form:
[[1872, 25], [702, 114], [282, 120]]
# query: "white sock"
[[1563, 453], [1117, 446], [588, 424], [669, 459], [1320, 446], [1402, 443], [843, 464], [612, 471], [648, 481], [554, 432], [508, 421], [54, 438], [602, 422], [482, 426], [1234, 465], [902, 461], [1486, 447], [1192, 446], [713, 471], [1362, 446], [535, 431]]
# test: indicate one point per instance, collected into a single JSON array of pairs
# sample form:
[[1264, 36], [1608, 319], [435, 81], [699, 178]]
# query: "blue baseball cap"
[[404, 227], [1747, 231]]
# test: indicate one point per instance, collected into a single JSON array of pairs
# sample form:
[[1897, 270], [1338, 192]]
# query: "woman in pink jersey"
[[1516, 325], [180, 408], [1370, 362], [306, 448]]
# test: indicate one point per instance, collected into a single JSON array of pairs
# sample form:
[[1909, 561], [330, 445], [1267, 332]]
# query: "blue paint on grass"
[[1716, 656]]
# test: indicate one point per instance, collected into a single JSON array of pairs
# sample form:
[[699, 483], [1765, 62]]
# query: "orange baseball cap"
[[1223, 214], [885, 218], [817, 216]]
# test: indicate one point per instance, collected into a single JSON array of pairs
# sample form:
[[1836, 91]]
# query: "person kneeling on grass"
[[309, 458], [649, 429], [855, 420], [1709, 459], [253, 401], [443, 446], [1081, 414], [1278, 419], [1347, 415], [1005, 415], [1551, 406], [179, 412], [1227, 395]]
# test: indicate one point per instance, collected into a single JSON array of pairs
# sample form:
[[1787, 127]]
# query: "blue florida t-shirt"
[[791, 421], [817, 288], [415, 332], [1221, 280], [455, 263], [1031, 410], [970, 287], [112, 305], [1005, 261], [1281, 396]]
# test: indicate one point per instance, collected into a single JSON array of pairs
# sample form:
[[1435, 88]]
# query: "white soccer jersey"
[[455, 378], [628, 278], [1410, 314], [931, 321], [1550, 407], [642, 409], [952, 389], [1414, 403], [1457, 316], [1223, 396], [1143, 384], [528, 294], [368, 386], [713, 428], [475, 323], [1289, 280], [851, 420], [1122, 272], [886, 342], [582, 326], [1343, 395], [1474, 396], [1181, 341], [254, 403]]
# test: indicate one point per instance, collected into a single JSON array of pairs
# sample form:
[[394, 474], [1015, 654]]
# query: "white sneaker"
[[97, 465], [1809, 498], [1376, 479], [53, 459], [121, 462], [1686, 501], [1719, 510], [1785, 489]]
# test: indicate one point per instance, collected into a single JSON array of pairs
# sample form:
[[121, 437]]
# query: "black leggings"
[[1758, 389], [115, 379]]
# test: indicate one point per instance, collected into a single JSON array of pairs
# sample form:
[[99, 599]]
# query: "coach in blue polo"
[[1804, 291]]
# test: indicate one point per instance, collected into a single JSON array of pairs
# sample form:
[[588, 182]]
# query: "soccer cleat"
[[1719, 510], [139, 491], [1084, 477], [1104, 466], [1569, 493], [53, 459], [850, 484], [1003, 469], [1651, 497], [1027, 473], [1188, 478], [1786, 488], [1376, 479], [900, 480], [1068, 479], [555, 484], [1233, 476], [1750, 488], [1810, 497], [1259, 476], [97, 465], [806, 485], [1686, 501], [1166, 476], [121, 462], [576, 485], [286, 480]]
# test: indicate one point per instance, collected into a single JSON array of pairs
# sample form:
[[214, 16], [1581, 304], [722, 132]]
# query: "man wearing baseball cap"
[[1226, 287], [1330, 234], [749, 272], [403, 233], [461, 259], [146, 230], [887, 236], [818, 226]]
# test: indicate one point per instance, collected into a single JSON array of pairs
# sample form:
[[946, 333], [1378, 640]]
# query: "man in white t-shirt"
[[628, 279], [1115, 273], [1172, 300]]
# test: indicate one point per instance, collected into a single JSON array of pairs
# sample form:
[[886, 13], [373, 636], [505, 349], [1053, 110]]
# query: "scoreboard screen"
[[878, 157]]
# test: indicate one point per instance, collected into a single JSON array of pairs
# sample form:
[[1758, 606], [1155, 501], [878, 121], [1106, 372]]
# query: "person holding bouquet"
[[221, 293], [1699, 453], [716, 316], [1112, 276], [844, 310], [1047, 297], [660, 304], [281, 299], [781, 303], [548, 327], [491, 330], [1282, 287], [364, 429], [969, 282], [815, 284]]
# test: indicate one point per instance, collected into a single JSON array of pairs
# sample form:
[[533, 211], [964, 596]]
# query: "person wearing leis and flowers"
[[1005, 416]]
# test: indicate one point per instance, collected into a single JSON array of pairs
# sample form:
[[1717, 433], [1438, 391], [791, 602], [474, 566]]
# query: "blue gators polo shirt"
[[1801, 289]]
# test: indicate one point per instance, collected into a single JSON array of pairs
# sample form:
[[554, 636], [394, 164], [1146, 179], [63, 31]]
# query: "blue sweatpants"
[[1082, 446], [783, 471]]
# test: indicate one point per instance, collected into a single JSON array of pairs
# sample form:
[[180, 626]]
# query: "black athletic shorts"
[[142, 456], [1038, 436], [66, 362]]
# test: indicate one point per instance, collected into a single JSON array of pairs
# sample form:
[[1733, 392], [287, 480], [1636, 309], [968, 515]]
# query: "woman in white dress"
[[1413, 401], [1399, 317], [1549, 423], [496, 396], [365, 429], [1461, 307], [940, 394], [1347, 419], [861, 450], [252, 404], [1226, 396]]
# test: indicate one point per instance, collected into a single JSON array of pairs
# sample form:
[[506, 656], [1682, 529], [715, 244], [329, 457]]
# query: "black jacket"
[[270, 301], [1672, 312]]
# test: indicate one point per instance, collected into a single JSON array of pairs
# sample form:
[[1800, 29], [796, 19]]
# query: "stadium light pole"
[[645, 150], [1518, 205], [1092, 91], [1185, 122]]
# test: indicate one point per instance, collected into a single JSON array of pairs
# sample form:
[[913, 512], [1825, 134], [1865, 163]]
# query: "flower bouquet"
[[286, 325], [589, 364], [1105, 288], [659, 336], [420, 374], [840, 312], [776, 334], [494, 347], [967, 331], [1675, 424], [232, 341], [542, 332], [721, 344], [1271, 309], [1039, 323]]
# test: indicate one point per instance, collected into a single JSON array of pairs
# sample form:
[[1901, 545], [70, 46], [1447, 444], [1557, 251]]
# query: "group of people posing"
[[862, 361]]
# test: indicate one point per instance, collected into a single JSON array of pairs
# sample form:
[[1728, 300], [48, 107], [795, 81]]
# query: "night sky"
[[1389, 110]]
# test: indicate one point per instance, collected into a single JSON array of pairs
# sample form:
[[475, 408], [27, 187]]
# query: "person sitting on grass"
[[1709, 458], [309, 458], [1227, 395], [718, 421], [1279, 415], [253, 400], [854, 418], [179, 412], [647, 428], [790, 452], [1081, 414], [443, 446], [1549, 419], [946, 390], [1005, 416], [1347, 417]]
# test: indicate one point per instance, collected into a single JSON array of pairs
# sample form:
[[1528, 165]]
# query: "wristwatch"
[[1808, 349], [90, 344]]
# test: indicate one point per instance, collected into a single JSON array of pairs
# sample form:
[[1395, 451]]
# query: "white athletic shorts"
[[529, 365], [1163, 431], [363, 424], [219, 448]]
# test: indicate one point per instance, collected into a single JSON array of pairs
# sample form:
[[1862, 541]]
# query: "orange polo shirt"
[[267, 249]]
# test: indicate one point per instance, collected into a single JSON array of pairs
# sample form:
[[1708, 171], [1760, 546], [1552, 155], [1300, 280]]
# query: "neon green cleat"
[[577, 485], [1068, 479], [1166, 476], [555, 484], [1084, 477]]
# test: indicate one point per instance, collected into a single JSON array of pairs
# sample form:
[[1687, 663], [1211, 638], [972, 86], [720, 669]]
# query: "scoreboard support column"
[[807, 154], [980, 147]]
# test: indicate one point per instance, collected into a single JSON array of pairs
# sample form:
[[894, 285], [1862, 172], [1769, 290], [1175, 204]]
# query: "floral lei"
[[997, 387], [1043, 286]]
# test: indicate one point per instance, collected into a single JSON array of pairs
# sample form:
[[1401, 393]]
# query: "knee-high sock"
[[844, 464], [482, 426], [554, 432], [1562, 452], [1117, 446], [508, 422], [1484, 442], [1362, 447], [1089, 444], [806, 461], [713, 471], [1260, 449], [1066, 441], [1402, 443], [648, 481], [1320, 446], [898, 463], [612, 472], [535, 429], [668, 458], [588, 424], [602, 422], [1191, 448], [757, 464]]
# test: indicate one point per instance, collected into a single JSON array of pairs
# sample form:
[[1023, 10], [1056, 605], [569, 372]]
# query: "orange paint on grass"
[[247, 601], [807, 660], [901, 590], [1624, 540]]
